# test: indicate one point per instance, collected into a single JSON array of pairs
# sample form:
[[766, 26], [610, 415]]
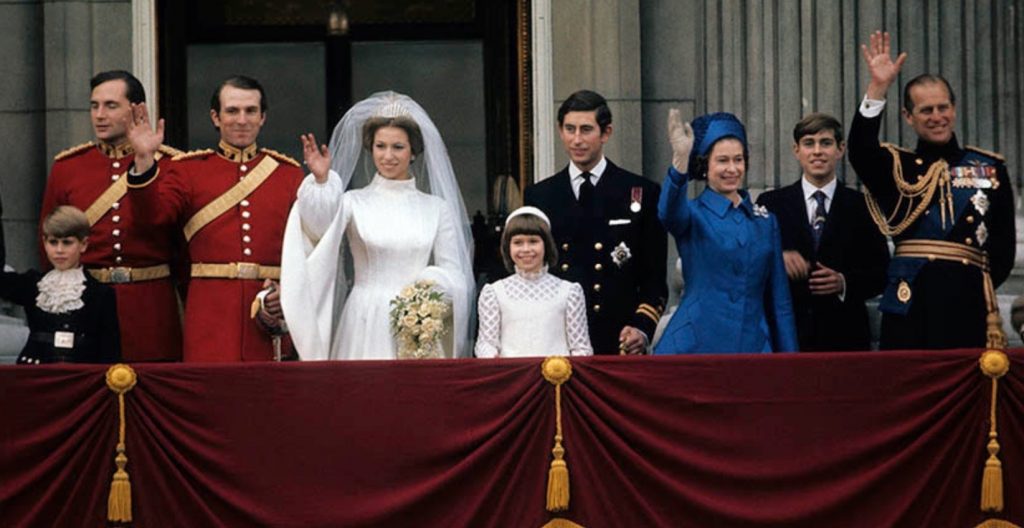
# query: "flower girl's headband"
[[529, 210]]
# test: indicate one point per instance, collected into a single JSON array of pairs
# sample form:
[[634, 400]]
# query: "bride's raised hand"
[[317, 157]]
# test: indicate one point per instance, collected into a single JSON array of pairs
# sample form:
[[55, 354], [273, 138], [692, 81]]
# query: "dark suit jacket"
[[850, 244], [94, 325], [631, 292]]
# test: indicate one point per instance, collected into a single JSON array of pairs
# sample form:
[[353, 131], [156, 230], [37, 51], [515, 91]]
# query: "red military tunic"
[[218, 322], [147, 311]]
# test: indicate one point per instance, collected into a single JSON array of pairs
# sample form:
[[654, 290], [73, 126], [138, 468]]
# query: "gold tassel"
[[557, 371], [558, 477], [994, 364], [119, 504], [992, 480], [120, 379]]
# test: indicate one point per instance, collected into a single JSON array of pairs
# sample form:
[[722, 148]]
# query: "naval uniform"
[[956, 243], [132, 258], [616, 250], [232, 252]]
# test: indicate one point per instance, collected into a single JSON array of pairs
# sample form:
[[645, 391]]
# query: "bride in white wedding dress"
[[396, 234]]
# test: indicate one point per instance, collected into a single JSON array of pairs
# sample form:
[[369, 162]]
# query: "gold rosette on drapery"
[[995, 364], [557, 370], [120, 379]]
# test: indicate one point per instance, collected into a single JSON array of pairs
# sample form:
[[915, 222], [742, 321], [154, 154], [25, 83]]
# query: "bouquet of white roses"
[[417, 320]]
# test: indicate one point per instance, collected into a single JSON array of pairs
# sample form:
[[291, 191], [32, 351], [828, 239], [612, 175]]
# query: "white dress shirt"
[[576, 175]]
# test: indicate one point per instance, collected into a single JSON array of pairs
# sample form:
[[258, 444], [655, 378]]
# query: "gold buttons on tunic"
[[247, 252], [118, 259], [597, 307], [117, 246], [565, 247], [598, 267], [597, 287], [919, 161], [116, 232], [970, 219], [565, 267], [244, 203], [116, 218], [115, 206], [117, 164], [243, 168], [246, 227], [246, 239], [968, 241], [114, 177], [598, 246], [246, 214]]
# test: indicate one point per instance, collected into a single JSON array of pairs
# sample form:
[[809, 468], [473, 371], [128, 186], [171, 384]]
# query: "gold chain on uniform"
[[937, 177]]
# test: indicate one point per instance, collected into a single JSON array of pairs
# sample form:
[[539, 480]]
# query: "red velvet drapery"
[[864, 439]]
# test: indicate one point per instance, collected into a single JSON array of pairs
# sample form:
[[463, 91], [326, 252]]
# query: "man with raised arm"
[[949, 210], [231, 205], [131, 256]]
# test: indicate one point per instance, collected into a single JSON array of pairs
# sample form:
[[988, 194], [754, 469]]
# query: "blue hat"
[[710, 129]]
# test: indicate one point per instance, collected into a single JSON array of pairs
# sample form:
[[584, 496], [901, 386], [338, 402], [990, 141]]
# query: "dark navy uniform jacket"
[[617, 255], [946, 307]]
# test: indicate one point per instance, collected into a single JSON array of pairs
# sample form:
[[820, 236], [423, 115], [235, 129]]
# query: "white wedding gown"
[[394, 232]]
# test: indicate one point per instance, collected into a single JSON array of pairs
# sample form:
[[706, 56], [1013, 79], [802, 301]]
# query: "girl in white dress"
[[396, 233], [531, 313]]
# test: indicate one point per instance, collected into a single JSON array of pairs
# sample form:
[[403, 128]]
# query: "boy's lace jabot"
[[61, 291]]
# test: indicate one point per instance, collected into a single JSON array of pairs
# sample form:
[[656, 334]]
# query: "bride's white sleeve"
[[453, 276], [576, 332], [318, 203], [311, 268], [488, 339]]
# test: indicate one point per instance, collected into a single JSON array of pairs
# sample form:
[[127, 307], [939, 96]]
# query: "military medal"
[[980, 201], [981, 234], [635, 199], [903, 292]]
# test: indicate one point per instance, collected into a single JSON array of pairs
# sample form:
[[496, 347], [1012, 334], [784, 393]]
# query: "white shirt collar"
[[597, 171], [576, 175], [809, 189], [829, 189]]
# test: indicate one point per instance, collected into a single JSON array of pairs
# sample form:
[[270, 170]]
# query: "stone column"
[[596, 45]]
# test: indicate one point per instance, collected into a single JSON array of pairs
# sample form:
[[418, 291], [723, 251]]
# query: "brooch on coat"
[[621, 254], [980, 201], [760, 210]]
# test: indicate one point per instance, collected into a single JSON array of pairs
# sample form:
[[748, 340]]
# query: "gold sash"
[[231, 198]]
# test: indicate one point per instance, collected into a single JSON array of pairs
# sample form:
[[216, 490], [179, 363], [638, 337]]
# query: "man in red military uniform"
[[130, 257], [232, 204]]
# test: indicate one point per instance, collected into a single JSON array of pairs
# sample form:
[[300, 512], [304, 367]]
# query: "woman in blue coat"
[[736, 293]]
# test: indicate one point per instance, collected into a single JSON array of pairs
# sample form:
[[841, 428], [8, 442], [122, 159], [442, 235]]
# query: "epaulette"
[[281, 157], [989, 153], [899, 148], [73, 150], [169, 151], [192, 154]]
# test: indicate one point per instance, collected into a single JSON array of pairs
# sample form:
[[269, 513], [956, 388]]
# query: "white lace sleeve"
[[576, 332], [488, 341], [318, 203]]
